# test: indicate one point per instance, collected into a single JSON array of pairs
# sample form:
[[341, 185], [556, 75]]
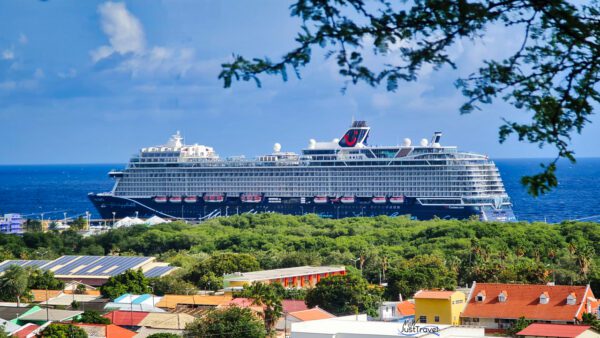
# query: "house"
[[192, 304], [9, 327], [136, 320], [11, 313], [129, 302], [536, 330], [285, 323], [40, 296], [106, 331], [167, 321], [439, 307], [12, 224], [28, 330], [42, 316], [359, 327], [397, 311], [497, 306], [297, 277]]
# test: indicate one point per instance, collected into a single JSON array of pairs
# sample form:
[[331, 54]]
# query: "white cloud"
[[23, 39], [124, 31], [127, 38], [8, 54]]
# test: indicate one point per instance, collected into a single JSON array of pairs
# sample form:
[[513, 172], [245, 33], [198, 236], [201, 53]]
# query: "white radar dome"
[[312, 143], [424, 142], [277, 147], [406, 142]]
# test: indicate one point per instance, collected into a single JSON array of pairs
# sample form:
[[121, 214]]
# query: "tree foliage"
[[130, 281], [172, 284], [469, 250], [229, 322], [92, 317], [517, 326], [345, 295], [39, 279], [420, 272], [63, 331], [553, 74], [13, 284], [164, 335], [269, 296], [207, 274]]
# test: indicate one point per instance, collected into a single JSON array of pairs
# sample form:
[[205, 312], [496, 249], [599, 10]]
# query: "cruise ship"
[[344, 177]]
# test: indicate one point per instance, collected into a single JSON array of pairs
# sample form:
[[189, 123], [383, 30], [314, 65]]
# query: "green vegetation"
[[553, 75], [230, 322], [172, 284], [345, 295], [517, 326], [591, 320], [92, 317], [407, 254], [13, 284], [269, 296], [63, 331], [39, 279], [164, 335], [130, 281]]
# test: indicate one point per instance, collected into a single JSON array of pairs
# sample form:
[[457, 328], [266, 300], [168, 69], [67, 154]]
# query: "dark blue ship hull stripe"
[[147, 207]]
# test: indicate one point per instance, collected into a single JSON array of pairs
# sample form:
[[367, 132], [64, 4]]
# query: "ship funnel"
[[355, 136], [435, 140]]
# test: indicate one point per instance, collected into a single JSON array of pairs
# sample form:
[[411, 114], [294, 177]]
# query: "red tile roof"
[[524, 301], [25, 330], [428, 294], [553, 330], [311, 314], [406, 308], [110, 330], [290, 305], [126, 318]]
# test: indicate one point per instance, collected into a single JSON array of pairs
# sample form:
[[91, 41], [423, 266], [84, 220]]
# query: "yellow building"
[[439, 307]]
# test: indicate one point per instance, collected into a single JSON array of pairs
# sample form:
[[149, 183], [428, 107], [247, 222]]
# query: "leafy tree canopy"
[[63, 331], [13, 284], [39, 279], [270, 297], [163, 335], [130, 281], [420, 272], [345, 295], [207, 274], [92, 317], [553, 75], [229, 322], [517, 326], [172, 284]]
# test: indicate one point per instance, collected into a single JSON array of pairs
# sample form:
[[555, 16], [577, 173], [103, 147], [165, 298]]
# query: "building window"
[[437, 319], [422, 319]]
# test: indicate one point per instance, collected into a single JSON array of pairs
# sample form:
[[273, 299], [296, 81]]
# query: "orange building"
[[298, 277]]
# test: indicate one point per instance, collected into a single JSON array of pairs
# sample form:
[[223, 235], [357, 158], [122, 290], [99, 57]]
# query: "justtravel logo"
[[410, 329]]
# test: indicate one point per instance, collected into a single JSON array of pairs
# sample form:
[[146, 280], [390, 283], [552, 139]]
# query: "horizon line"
[[122, 163]]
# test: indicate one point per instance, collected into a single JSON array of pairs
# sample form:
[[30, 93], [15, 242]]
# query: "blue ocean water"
[[56, 189]]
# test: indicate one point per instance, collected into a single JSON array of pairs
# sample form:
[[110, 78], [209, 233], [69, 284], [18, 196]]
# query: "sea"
[[59, 190]]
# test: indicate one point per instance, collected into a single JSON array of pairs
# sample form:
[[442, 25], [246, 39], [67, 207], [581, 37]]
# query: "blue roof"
[[158, 271], [120, 298], [23, 263], [141, 299]]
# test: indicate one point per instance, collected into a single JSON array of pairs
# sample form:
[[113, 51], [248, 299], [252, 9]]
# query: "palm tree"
[[13, 283], [269, 296], [583, 256]]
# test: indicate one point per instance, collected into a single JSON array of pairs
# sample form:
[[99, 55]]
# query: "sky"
[[94, 81]]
